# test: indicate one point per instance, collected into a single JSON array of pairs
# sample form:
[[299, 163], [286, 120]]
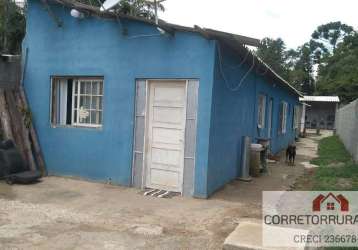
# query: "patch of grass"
[[337, 170], [331, 150], [338, 178]]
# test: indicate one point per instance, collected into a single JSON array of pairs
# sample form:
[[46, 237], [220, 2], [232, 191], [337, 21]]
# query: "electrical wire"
[[241, 63], [262, 74], [237, 87], [122, 29]]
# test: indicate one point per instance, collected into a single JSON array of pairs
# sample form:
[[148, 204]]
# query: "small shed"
[[320, 111], [122, 99]]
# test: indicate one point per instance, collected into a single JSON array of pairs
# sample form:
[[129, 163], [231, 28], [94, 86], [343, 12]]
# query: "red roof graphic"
[[341, 200]]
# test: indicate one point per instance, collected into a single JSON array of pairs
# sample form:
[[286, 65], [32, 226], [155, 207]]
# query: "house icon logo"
[[330, 203]]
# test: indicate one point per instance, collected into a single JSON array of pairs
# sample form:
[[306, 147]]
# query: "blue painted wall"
[[234, 115], [96, 47]]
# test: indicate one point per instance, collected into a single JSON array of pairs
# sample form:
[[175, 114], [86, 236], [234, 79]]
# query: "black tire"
[[4, 168], [26, 177], [14, 161]]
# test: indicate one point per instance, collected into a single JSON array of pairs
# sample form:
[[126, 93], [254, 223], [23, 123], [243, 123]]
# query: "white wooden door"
[[165, 135]]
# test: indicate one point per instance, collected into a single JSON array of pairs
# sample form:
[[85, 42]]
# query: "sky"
[[292, 20]]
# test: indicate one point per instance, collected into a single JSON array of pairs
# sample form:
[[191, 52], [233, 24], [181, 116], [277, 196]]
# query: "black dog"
[[291, 154]]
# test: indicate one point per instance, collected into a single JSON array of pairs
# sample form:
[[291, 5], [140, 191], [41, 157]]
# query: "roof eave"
[[237, 41], [207, 33]]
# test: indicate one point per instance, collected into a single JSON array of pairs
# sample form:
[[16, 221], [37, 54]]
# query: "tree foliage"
[[327, 37], [12, 19], [331, 34], [273, 52], [12, 27], [339, 74], [301, 74], [327, 64], [139, 8], [294, 66]]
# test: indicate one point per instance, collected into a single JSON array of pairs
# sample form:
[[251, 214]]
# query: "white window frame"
[[284, 117], [261, 111], [77, 123], [296, 116]]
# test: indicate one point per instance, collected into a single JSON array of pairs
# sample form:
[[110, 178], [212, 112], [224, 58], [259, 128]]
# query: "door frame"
[[140, 90], [146, 131]]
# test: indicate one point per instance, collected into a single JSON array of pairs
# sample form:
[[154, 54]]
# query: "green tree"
[[12, 19], [139, 8], [318, 63], [12, 27], [339, 75], [327, 37], [301, 74], [273, 52], [293, 65]]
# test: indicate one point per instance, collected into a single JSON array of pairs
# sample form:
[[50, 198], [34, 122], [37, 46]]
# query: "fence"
[[347, 127], [9, 71]]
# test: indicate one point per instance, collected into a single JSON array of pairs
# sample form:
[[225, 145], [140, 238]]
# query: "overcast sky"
[[292, 20]]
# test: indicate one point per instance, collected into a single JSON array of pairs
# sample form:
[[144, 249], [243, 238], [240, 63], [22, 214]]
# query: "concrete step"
[[248, 236]]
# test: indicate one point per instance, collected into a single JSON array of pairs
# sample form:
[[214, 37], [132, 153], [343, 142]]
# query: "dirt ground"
[[64, 213]]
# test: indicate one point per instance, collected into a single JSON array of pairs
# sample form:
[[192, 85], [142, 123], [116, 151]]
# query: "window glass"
[[84, 101], [296, 117], [261, 111], [283, 117]]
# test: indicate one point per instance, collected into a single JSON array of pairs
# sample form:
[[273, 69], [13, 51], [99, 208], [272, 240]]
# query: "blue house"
[[160, 106]]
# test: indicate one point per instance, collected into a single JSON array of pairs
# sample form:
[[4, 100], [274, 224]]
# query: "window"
[[261, 111], [77, 102], [330, 206], [283, 118], [296, 117]]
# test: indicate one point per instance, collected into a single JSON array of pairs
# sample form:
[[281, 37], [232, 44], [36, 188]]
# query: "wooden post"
[[14, 124], [15, 118], [5, 117], [22, 132], [22, 102]]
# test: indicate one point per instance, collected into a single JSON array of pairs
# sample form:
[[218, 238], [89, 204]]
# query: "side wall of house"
[[234, 115], [97, 47]]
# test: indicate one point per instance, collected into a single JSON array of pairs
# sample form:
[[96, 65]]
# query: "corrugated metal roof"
[[319, 98], [168, 27], [235, 41]]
